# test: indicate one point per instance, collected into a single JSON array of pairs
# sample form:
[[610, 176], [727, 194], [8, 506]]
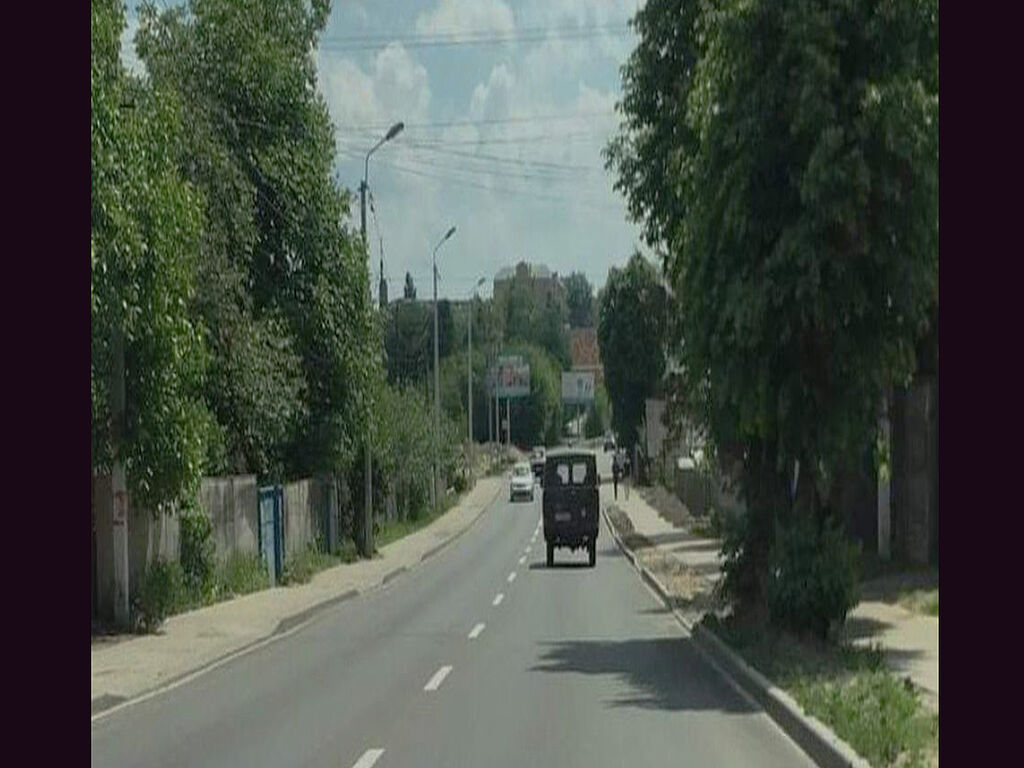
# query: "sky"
[[503, 134]]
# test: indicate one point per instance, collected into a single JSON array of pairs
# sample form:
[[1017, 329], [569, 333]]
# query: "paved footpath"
[[126, 668], [911, 641]]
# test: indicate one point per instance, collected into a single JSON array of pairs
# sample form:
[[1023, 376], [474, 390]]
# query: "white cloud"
[[491, 101], [396, 84], [467, 16]]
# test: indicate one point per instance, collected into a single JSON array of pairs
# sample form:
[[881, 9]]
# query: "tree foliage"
[[536, 319], [785, 155], [579, 297], [408, 341], [146, 227], [284, 302], [631, 328]]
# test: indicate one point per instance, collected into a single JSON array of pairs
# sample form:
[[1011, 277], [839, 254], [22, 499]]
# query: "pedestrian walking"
[[615, 475]]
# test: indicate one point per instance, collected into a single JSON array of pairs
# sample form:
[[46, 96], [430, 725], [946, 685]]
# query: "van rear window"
[[570, 473]]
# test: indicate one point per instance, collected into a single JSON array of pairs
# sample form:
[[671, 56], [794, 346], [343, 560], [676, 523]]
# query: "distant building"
[[544, 283], [585, 353]]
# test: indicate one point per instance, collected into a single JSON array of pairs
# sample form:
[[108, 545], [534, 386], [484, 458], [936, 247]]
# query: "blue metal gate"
[[271, 505]]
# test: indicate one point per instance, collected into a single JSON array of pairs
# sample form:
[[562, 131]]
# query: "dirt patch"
[[667, 504], [685, 586]]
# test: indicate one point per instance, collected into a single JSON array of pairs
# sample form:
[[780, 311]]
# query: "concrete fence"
[[310, 513]]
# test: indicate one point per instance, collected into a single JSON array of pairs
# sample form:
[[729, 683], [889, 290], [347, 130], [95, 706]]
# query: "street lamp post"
[[437, 380], [469, 380], [367, 543]]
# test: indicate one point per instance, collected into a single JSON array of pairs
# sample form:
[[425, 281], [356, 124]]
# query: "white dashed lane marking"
[[522, 559], [498, 598], [369, 757], [475, 632], [435, 682], [511, 577]]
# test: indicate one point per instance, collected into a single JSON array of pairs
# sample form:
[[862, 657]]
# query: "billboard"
[[577, 387], [509, 378]]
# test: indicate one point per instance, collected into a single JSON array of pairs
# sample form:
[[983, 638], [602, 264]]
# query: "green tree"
[[801, 227], [145, 234], [631, 330], [579, 296], [408, 340], [536, 320], [445, 329], [261, 144]]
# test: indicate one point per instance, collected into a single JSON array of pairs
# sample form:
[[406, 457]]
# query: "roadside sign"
[[510, 377], [577, 387]]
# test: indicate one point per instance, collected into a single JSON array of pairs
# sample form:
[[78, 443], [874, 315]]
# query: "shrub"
[[197, 551], [241, 574], [812, 577], [160, 593]]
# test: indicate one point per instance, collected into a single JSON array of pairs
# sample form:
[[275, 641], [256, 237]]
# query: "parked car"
[[521, 485], [570, 505]]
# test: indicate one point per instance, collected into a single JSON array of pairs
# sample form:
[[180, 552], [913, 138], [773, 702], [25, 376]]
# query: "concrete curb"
[[107, 701], [814, 737]]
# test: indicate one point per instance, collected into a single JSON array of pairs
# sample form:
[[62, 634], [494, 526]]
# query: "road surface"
[[481, 656]]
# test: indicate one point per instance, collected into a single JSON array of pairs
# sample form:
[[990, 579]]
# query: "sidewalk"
[[127, 668], [690, 566]]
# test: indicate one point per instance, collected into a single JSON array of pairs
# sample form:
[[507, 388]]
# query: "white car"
[[522, 482]]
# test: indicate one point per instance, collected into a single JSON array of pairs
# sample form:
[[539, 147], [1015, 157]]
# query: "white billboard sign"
[[577, 387], [510, 378]]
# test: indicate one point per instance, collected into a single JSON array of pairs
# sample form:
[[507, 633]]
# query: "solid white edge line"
[[475, 632], [498, 598], [369, 757], [435, 682], [511, 577]]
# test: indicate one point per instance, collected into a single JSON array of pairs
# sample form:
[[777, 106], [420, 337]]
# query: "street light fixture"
[[437, 377], [367, 543]]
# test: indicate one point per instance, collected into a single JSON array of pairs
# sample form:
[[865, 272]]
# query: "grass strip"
[[848, 688]]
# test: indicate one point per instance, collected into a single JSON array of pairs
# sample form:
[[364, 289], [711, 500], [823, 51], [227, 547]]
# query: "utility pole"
[[367, 542], [469, 381], [437, 382], [118, 481]]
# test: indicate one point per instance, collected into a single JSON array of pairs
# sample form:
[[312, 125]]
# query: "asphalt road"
[[573, 666]]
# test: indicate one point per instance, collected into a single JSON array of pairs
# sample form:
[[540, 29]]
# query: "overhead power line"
[[485, 121], [463, 182], [481, 37]]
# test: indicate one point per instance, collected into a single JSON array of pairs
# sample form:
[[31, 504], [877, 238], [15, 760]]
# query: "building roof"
[[585, 351], [536, 271]]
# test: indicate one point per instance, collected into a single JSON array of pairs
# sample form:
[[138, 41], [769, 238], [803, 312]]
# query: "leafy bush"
[[812, 577], [160, 594], [241, 574], [197, 551]]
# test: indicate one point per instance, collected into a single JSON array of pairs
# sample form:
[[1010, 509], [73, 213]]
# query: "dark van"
[[571, 503]]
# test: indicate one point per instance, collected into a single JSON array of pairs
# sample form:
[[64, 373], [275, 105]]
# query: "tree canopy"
[[145, 253], [579, 296], [284, 301], [784, 154], [631, 329], [217, 248]]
